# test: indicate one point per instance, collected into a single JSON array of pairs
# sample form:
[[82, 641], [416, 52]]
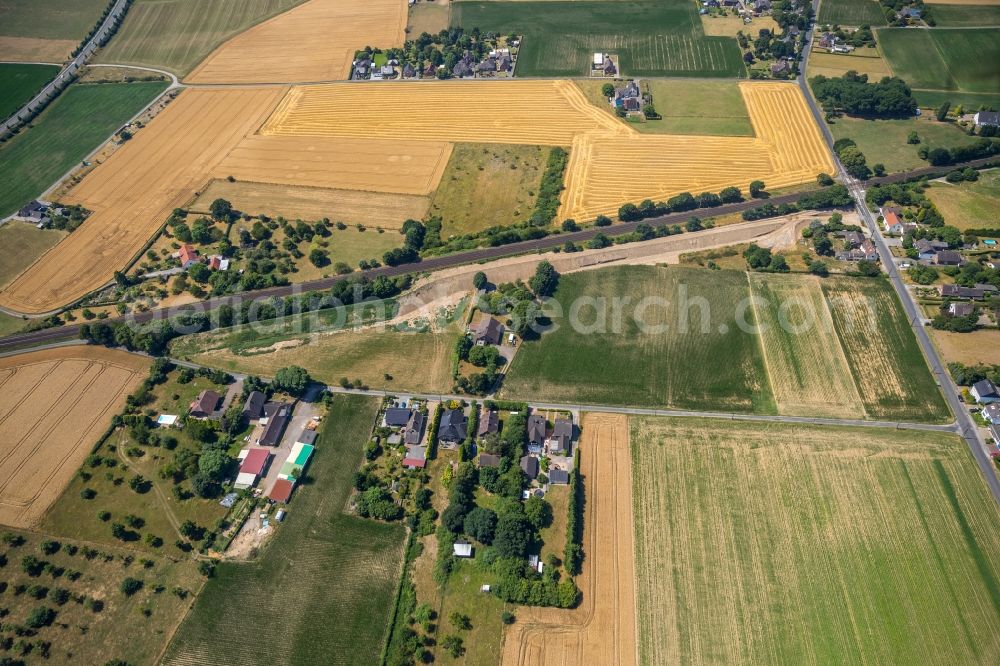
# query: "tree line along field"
[[19, 83], [651, 38], [178, 34], [323, 590], [68, 130], [942, 59], [851, 12], [777, 543], [846, 351], [45, 30]]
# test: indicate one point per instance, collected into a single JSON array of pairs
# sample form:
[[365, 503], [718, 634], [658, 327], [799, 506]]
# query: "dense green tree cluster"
[[854, 95]]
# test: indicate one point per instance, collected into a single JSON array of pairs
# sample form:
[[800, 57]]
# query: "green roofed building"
[[297, 460]]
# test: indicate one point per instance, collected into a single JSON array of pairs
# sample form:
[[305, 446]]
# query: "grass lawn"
[[689, 353], [885, 140], [969, 204], [488, 185], [10, 325], [323, 589], [430, 17], [943, 59], [687, 107], [66, 132], [462, 595], [18, 83], [952, 16], [868, 61], [651, 37], [81, 634], [851, 12], [178, 34], [23, 243], [932, 99], [838, 545]]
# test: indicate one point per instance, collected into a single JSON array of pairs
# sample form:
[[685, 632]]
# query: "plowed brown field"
[[313, 42], [53, 405], [133, 192], [376, 165], [603, 629], [610, 164]]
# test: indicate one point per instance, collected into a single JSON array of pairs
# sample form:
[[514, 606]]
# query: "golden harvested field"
[[404, 167], [315, 41], [805, 361], [602, 630], [54, 404], [372, 209], [535, 112], [777, 543], [982, 346], [728, 26], [133, 192], [610, 163]]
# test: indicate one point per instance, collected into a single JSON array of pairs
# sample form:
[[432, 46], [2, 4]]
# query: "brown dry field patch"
[[806, 364], [374, 209], [54, 404], [610, 163], [403, 167], [315, 41], [33, 49], [982, 346], [133, 192], [834, 65], [602, 630], [728, 26]]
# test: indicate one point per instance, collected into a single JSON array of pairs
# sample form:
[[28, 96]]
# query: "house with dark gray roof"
[[397, 417], [488, 331], [985, 392], [204, 405], [991, 118], [489, 460], [453, 426], [254, 406], [529, 465], [278, 415], [536, 432], [489, 422], [414, 431], [562, 434], [558, 477]]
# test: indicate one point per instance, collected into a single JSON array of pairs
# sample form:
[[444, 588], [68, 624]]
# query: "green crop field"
[[178, 34], [775, 543], [651, 38], [885, 140], [888, 367], [50, 19], [625, 366], [968, 205], [851, 12], [953, 16], [322, 591], [644, 356], [19, 83], [943, 59], [74, 124], [932, 99]]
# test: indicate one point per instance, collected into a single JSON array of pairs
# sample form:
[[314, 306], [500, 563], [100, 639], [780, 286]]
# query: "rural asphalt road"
[[71, 68]]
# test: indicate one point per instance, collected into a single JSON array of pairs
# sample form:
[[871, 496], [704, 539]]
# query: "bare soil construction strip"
[[313, 42], [54, 404], [603, 629]]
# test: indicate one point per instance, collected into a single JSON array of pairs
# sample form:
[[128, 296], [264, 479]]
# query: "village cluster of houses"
[[498, 62], [746, 8], [187, 255], [270, 419], [38, 212], [857, 247], [931, 252], [407, 421], [833, 44]]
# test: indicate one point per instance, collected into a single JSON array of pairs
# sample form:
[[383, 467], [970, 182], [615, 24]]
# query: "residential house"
[[927, 250], [188, 255], [362, 69], [416, 457], [891, 220], [780, 67], [430, 70], [254, 461], [867, 251], [34, 211], [985, 392], [853, 239], [488, 331], [562, 434], [397, 417], [761, 6], [487, 67], [488, 460], [505, 64], [204, 405], [827, 41], [948, 258], [277, 415], [558, 477], [306, 437], [991, 118], [961, 309], [991, 412], [995, 433], [281, 491], [453, 426], [409, 72], [609, 68], [253, 408], [414, 431], [958, 291], [388, 71], [536, 433], [908, 13], [489, 422], [529, 465]]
